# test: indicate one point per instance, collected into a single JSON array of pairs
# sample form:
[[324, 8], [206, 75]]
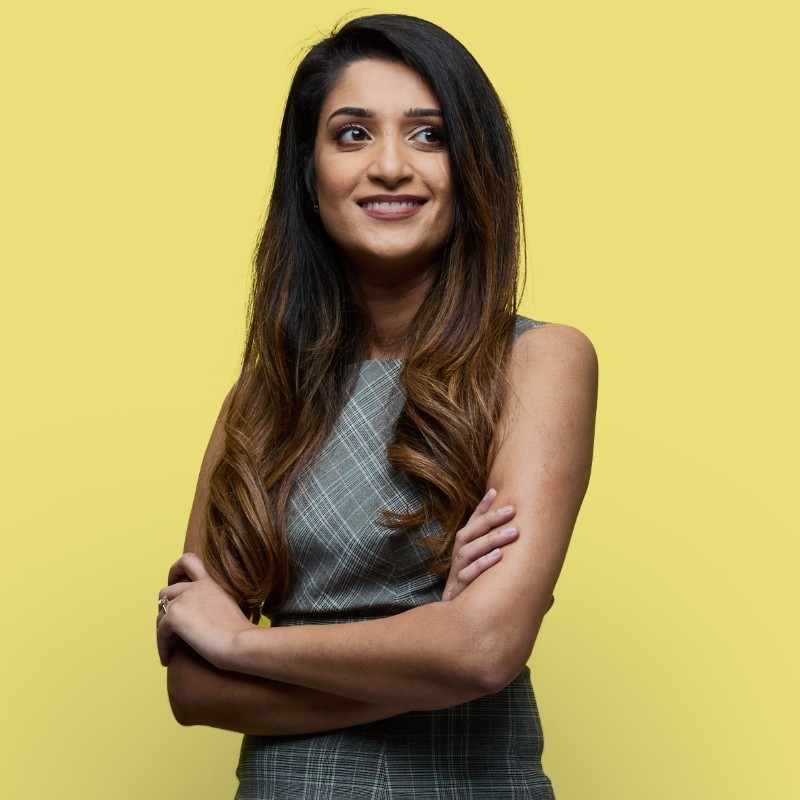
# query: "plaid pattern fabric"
[[349, 567]]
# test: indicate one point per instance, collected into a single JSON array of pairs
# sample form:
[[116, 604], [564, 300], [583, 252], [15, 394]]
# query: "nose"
[[391, 162]]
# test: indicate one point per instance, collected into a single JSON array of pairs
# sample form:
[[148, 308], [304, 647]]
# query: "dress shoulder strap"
[[524, 324]]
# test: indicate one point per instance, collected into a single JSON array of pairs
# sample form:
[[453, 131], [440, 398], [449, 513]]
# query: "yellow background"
[[659, 144]]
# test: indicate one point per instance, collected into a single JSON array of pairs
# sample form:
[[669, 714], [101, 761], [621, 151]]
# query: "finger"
[[485, 544], [175, 590], [170, 594], [485, 504], [162, 608], [467, 575], [480, 526], [188, 567], [164, 638]]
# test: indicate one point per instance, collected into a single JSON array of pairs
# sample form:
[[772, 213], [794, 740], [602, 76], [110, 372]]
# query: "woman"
[[387, 382]]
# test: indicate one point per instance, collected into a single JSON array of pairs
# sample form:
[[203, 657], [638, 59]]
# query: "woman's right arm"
[[201, 694]]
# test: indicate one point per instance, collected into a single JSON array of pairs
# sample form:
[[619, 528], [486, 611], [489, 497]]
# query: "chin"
[[394, 260]]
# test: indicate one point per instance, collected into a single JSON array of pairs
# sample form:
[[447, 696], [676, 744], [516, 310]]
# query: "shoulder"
[[548, 420], [552, 350], [552, 384]]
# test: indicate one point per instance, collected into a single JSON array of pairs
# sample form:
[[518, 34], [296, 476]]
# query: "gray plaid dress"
[[351, 568]]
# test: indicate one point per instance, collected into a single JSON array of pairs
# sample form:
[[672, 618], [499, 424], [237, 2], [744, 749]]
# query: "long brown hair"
[[306, 330]]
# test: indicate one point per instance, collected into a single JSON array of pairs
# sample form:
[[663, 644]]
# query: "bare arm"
[[202, 694], [443, 654]]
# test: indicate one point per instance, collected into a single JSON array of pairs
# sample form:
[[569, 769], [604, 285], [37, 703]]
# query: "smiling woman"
[[379, 158], [395, 475]]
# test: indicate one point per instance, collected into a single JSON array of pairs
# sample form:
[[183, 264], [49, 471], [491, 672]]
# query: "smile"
[[386, 206], [392, 208]]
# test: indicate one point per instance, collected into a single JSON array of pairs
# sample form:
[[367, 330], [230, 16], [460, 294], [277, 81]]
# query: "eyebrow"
[[366, 113], [423, 112]]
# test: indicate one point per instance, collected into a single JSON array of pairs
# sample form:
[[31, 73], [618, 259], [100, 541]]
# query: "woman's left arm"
[[440, 654]]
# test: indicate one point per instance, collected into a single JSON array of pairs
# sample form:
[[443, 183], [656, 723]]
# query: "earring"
[[315, 206]]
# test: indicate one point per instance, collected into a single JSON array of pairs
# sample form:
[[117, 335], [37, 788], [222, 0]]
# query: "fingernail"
[[508, 531], [505, 509], [486, 496], [495, 553]]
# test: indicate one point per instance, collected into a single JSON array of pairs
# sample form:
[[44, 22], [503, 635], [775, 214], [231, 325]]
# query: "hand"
[[200, 612], [477, 544]]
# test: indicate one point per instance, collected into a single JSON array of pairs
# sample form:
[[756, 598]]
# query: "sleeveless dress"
[[351, 568]]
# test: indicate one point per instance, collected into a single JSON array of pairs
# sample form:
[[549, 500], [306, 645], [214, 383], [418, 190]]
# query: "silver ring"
[[163, 604]]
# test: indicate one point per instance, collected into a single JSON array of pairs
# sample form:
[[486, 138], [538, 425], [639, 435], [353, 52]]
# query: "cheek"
[[334, 179], [322, 183], [323, 179], [445, 188]]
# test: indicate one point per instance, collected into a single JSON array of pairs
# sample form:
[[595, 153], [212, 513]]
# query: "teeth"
[[387, 206]]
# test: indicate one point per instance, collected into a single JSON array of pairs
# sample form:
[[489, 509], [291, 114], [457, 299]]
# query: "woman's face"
[[382, 172]]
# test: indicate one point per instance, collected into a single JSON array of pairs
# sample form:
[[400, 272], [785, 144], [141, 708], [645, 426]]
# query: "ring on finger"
[[163, 604]]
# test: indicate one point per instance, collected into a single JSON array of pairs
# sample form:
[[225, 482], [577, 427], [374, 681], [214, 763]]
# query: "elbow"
[[182, 717], [478, 657], [182, 691], [477, 677], [493, 653], [496, 675], [183, 712], [495, 663], [182, 708]]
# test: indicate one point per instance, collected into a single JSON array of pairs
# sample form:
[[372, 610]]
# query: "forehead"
[[381, 86]]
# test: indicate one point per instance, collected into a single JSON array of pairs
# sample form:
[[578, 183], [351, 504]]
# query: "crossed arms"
[[225, 672]]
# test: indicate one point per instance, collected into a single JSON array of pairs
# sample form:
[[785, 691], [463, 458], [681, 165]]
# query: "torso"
[[351, 567]]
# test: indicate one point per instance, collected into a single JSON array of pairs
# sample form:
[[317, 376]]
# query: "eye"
[[431, 136], [350, 134]]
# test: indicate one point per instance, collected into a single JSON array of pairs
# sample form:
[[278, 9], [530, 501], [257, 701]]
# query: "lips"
[[392, 206], [371, 204]]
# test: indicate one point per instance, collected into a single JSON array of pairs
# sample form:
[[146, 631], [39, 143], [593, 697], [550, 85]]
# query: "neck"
[[391, 305]]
